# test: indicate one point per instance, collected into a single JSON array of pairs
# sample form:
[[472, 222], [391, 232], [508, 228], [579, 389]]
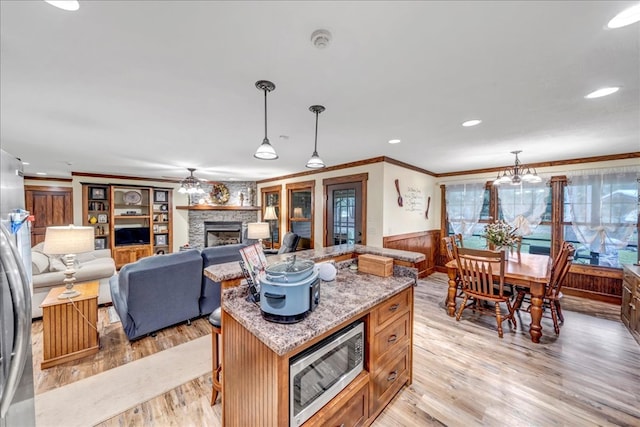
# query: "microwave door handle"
[[18, 285]]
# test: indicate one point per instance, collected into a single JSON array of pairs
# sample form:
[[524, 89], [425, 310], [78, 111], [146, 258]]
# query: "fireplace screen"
[[217, 233]]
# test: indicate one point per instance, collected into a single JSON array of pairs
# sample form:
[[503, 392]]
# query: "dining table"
[[521, 269]]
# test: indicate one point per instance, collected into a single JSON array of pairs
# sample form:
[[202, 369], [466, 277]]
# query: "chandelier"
[[517, 174], [191, 184]]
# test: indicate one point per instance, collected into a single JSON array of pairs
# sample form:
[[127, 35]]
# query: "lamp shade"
[[297, 213], [270, 214], [258, 230], [62, 240]]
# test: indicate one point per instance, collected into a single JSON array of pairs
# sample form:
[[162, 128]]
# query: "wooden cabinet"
[[350, 408], [390, 349], [96, 212], [630, 309], [133, 221], [126, 254]]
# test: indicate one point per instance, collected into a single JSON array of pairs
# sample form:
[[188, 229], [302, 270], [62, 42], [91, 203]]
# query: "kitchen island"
[[256, 353]]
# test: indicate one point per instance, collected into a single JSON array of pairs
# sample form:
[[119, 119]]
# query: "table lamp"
[[68, 241], [270, 215], [258, 230]]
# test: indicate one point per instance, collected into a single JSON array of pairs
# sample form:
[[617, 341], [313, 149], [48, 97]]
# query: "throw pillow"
[[85, 257], [39, 263], [56, 264]]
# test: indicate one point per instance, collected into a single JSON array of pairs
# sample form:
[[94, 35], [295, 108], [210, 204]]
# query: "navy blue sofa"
[[160, 291], [210, 291]]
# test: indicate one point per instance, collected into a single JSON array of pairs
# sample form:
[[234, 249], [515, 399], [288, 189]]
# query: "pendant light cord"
[[315, 145], [265, 114]]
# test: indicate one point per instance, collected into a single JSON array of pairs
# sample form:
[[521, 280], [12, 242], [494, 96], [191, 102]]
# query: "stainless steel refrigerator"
[[16, 367]]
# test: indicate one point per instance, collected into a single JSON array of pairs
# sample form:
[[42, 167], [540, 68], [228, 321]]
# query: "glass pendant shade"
[[266, 151], [315, 162]]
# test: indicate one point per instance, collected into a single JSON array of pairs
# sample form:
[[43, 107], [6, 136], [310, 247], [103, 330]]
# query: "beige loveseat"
[[48, 273]]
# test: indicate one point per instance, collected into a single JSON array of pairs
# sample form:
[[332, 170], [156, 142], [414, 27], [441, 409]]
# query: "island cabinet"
[[630, 309], [256, 353]]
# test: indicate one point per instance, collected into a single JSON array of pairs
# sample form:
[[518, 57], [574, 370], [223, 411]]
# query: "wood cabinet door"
[[50, 206]]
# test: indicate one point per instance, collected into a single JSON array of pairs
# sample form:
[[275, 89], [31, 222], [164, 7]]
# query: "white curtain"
[[524, 205], [464, 204], [603, 208]]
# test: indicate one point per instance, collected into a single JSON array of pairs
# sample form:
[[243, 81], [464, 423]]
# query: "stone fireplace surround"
[[198, 218]]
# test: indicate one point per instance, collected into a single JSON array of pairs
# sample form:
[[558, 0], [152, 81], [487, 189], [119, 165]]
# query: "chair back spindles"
[[482, 275]]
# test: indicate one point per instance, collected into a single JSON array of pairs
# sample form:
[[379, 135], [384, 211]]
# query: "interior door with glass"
[[344, 214]]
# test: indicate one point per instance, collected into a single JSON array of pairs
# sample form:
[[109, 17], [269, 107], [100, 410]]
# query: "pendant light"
[[265, 151], [315, 162]]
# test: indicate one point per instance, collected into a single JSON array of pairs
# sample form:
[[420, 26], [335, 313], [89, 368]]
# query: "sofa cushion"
[[39, 263]]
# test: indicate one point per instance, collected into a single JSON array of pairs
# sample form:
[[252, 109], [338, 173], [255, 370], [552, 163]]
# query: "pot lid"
[[290, 270]]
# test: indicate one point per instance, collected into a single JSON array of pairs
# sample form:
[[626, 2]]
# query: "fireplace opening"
[[218, 233]]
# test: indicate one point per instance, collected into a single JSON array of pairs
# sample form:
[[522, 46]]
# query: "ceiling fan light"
[[266, 151], [315, 162]]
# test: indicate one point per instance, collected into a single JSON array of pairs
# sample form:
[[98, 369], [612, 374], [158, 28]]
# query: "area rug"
[[113, 315], [119, 389]]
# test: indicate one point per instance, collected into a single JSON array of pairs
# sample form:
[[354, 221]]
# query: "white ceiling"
[[149, 88]]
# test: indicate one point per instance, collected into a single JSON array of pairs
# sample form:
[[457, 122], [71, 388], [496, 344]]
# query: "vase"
[[505, 249]]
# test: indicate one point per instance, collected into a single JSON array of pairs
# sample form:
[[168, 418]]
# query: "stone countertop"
[[231, 270], [344, 298]]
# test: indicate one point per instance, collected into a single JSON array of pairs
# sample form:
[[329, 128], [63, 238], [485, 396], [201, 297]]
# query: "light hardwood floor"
[[463, 373]]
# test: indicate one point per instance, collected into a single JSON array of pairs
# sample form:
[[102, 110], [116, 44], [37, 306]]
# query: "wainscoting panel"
[[425, 242]]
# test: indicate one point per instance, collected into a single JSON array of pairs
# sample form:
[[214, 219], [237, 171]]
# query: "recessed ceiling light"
[[65, 4], [470, 123], [602, 92], [41, 173], [26, 163], [626, 17], [394, 141]]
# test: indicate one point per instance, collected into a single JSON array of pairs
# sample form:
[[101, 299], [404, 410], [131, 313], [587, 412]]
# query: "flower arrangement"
[[500, 234]]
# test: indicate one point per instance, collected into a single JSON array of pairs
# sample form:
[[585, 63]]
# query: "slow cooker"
[[289, 290]]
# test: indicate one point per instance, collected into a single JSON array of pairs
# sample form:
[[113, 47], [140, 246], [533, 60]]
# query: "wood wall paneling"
[[424, 242]]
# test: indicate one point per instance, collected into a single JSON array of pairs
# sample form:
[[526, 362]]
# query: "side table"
[[69, 326]]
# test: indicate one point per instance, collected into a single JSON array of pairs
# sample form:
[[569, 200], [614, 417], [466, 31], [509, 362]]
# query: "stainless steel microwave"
[[319, 373]]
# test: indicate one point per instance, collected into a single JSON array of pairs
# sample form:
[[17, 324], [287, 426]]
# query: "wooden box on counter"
[[375, 264]]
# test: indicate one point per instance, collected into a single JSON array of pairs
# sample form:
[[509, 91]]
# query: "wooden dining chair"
[[457, 238], [451, 248], [482, 276], [551, 301]]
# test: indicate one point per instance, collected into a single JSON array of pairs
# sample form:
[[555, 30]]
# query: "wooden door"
[[345, 213], [49, 206]]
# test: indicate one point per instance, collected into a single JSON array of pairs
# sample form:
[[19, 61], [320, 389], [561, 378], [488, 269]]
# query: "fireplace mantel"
[[218, 208]]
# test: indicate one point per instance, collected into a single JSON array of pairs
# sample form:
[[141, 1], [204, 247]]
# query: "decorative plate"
[[219, 194], [132, 197]]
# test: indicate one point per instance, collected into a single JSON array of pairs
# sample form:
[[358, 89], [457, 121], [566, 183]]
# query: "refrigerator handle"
[[19, 287]]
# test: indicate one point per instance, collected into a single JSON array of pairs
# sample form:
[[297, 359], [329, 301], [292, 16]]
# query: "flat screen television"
[[132, 236]]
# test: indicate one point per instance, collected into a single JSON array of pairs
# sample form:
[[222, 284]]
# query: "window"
[[600, 218]]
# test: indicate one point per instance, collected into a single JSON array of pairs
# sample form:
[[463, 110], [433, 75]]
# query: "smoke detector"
[[321, 38]]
